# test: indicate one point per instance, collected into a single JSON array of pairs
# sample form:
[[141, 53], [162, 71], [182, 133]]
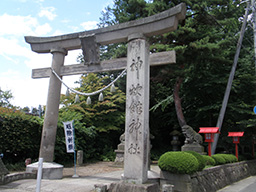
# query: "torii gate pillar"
[[52, 107], [137, 110]]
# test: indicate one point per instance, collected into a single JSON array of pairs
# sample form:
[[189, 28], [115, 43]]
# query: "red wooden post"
[[236, 151], [236, 136], [209, 149]]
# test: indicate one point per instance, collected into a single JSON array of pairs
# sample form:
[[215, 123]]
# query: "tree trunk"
[[177, 102]]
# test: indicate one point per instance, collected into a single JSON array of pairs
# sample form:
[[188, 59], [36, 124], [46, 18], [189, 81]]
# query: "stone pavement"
[[80, 184], [86, 183], [246, 185], [67, 184]]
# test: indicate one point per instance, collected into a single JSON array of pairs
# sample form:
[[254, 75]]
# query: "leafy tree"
[[26, 109], [205, 45], [5, 97], [99, 124], [34, 111]]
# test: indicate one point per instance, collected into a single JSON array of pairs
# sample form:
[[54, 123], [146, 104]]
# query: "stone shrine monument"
[[193, 140], [137, 64], [119, 160]]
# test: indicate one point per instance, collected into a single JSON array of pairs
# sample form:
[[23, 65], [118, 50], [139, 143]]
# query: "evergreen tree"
[[205, 45]]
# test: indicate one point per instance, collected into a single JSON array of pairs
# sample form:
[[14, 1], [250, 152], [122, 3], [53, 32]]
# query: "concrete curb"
[[16, 176]]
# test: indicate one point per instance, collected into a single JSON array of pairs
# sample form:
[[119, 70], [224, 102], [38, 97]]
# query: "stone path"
[[81, 184], [246, 185], [99, 173], [89, 175]]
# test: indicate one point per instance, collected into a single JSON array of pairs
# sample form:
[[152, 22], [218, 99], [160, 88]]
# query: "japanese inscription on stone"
[[137, 109]]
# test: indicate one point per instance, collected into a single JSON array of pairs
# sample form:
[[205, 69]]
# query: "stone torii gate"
[[137, 64]]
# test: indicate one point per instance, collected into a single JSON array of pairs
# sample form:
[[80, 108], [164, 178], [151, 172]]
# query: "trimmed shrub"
[[219, 159], [178, 162], [20, 135], [209, 160], [200, 159], [229, 158]]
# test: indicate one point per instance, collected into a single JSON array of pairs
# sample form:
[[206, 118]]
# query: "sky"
[[43, 18]]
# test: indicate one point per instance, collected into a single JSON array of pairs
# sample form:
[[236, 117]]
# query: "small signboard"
[[254, 109], [69, 135]]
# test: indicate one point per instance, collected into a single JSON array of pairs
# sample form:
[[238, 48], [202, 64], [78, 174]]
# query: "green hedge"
[[201, 160], [224, 158], [219, 159], [209, 160], [229, 158], [20, 135], [181, 162], [178, 162]]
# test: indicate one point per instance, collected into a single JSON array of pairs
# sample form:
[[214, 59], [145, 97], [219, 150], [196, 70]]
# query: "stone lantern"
[[175, 143]]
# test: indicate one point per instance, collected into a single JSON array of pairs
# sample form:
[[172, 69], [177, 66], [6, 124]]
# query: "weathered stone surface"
[[80, 157], [154, 25], [128, 187], [211, 179], [16, 176], [193, 147], [3, 170], [100, 188], [52, 108], [50, 170], [155, 59], [137, 112], [119, 160], [192, 137], [167, 188]]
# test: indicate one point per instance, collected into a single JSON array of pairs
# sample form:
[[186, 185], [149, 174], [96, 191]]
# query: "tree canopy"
[[205, 45], [5, 97]]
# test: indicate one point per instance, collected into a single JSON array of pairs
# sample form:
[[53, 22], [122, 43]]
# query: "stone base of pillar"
[[50, 170], [119, 160], [153, 177], [193, 147], [128, 187]]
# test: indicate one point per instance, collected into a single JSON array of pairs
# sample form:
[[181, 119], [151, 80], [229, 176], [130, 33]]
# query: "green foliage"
[[108, 154], [98, 125], [224, 158], [104, 116], [200, 159], [5, 97], [178, 162], [209, 160], [205, 45], [229, 158], [20, 135], [219, 159], [20, 166]]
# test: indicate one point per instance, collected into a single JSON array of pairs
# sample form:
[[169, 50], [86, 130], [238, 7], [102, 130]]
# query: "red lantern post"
[[209, 136], [236, 136]]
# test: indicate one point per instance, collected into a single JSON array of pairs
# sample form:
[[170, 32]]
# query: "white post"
[[39, 175]]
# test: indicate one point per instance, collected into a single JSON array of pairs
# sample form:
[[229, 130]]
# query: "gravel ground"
[[90, 169]]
